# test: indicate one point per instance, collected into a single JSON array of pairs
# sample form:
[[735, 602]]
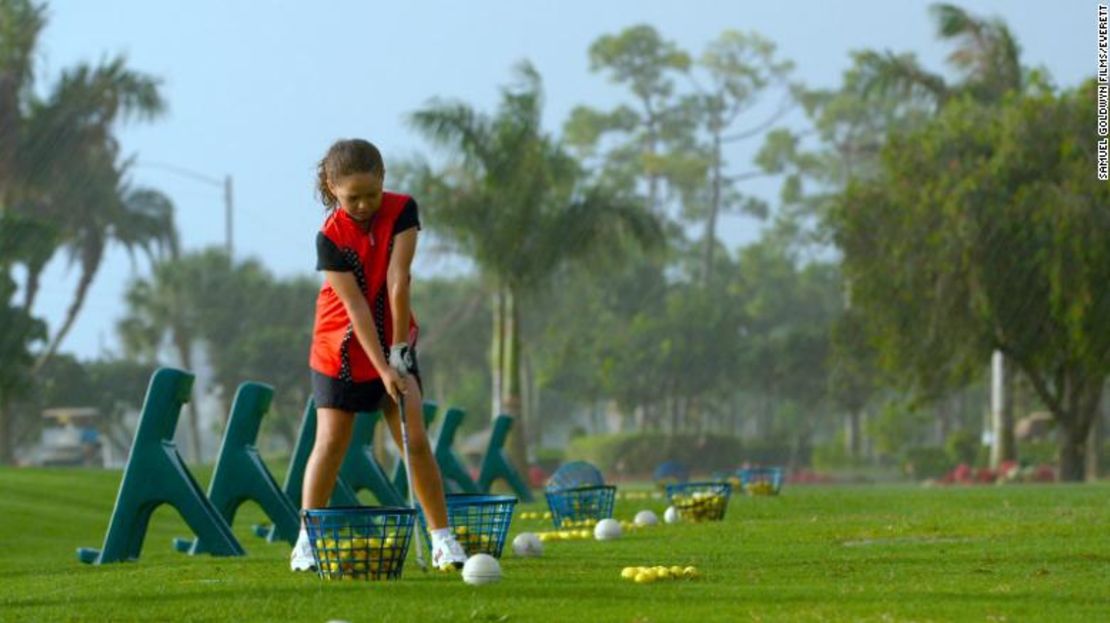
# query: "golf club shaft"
[[408, 473]]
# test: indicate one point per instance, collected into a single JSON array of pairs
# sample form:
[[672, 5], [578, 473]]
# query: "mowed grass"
[[1014, 553]]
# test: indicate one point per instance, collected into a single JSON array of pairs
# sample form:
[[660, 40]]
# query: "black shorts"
[[366, 396]]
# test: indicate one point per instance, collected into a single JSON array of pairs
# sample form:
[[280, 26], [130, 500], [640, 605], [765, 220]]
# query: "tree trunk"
[[943, 411], [674, 414], [183, 344], [866, 443], [691, 416], [31, 289], [7, 428], [90, 264], [651, 148], [497, 352], [518, 437], [1003, 447], [653, 179], [766, 423], [852, 436], [1071, 455], [528, 395], [536, 421], [1094, 447], [1075, 429], [1073, 398], [714, 208]]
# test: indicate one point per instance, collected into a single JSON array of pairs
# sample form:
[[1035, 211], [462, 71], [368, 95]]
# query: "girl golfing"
[[363, 354]]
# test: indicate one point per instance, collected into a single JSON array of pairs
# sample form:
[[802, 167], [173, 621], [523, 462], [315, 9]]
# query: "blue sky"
[[259, 89]]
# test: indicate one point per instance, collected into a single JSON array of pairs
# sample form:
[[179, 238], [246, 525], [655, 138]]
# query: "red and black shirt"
[[343, 246]]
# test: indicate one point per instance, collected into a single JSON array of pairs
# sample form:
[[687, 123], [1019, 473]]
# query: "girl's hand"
[[394, 383], [402, 358]]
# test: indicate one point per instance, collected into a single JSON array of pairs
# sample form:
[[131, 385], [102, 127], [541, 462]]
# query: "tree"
[[854, 378], [640, 59], [251, 326], [987, 59], [59, 160], [740, 67], [517, 204], [19, 331], [455, 323], [986, 55], [159, 308], [985, 231], [271, 345], [672, 142], [789, 309], [136, 218], [883, 93]]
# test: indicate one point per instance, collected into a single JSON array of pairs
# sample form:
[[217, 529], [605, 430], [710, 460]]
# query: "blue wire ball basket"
[[700, 501], [479, 522], [359, 542], [575, 474], [576, 504], [670, 473], [761, 480]]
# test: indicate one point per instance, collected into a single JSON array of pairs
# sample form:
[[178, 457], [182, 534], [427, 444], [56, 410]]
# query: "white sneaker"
[[447, 552], [301, 558]]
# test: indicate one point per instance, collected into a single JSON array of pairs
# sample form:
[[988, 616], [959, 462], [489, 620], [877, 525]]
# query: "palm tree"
[[136, 218], [160, 307], [59, 160], [19, 331], [20, 24], [514, 201], [986, 55], [988, 59]]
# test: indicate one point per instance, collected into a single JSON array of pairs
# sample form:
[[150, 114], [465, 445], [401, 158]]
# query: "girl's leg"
[[426, 480], [333, 435]]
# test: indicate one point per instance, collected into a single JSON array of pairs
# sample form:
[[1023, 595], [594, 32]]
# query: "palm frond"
[[986, 51], [454, 125], [889, 73], [21, 22]]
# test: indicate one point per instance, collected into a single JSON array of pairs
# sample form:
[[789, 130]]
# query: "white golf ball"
[[645, 518], [481, 569], [607, 529], [670, 515], [527, 544]]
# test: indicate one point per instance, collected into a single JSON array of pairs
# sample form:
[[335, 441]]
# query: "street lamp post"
[[225, 184], [227, 216]]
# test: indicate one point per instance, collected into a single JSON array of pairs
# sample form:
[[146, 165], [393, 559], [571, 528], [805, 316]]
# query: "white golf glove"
[[402, 358]]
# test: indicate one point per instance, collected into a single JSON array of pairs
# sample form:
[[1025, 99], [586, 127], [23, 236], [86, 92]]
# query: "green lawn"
[[1013, 553]]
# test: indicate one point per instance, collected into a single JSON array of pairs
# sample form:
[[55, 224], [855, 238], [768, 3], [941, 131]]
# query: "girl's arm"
[[358, 310], [399, 279]]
